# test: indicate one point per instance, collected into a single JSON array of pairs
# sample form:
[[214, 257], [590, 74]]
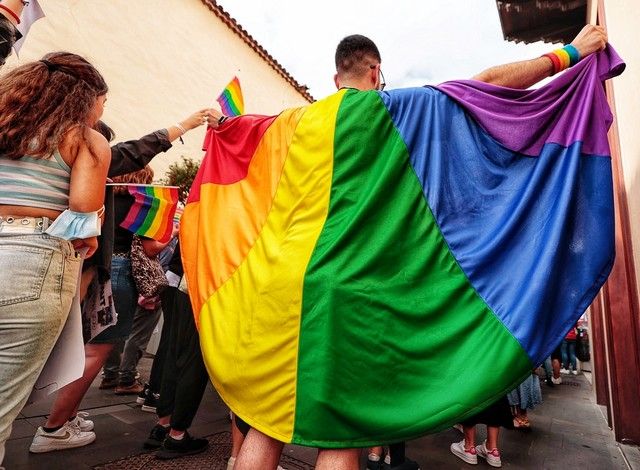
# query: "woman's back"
[[35, 182]]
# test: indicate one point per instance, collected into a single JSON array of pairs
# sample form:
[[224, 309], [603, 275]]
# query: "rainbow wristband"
[[574, 55], [563, 58]]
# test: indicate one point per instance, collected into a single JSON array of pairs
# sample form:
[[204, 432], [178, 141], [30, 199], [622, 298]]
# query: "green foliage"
[[181, 174]]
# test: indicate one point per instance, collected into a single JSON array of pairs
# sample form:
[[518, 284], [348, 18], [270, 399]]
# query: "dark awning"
[[541, 20]]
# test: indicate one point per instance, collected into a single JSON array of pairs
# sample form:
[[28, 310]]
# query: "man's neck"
[[361, 85]]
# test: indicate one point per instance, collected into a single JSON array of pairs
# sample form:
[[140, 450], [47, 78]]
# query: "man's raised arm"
[[525, 73]]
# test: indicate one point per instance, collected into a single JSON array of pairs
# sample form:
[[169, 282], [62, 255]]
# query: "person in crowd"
[[51, 162], [568, 352], [10, 11], [394, 459], [358, 66], [495, 416], [524, 397], [552, 367], [64, 414], [184, 376]]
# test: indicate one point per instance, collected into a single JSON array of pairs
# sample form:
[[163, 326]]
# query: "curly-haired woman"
[[53, 167]]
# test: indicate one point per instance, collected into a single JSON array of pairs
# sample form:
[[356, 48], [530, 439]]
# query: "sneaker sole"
[[140, 401], [148, 409], [60, 445], [168, 454]]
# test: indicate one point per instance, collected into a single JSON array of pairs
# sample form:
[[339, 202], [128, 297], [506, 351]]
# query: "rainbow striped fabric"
[[151, 214], [230, 100], [379, 265]]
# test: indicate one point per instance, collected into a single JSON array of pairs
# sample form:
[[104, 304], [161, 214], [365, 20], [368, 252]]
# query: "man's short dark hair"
[[353, 50]]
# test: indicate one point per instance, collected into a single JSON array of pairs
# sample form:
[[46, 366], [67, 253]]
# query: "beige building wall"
[[162, 59], [623, 25]]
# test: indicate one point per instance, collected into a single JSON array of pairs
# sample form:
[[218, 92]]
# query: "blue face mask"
[[72, 225]]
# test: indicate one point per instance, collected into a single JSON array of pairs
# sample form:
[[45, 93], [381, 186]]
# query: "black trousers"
[[184, 376]]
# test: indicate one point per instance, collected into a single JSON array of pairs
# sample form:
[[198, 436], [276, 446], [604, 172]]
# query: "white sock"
[[374, 457], [231, 463]]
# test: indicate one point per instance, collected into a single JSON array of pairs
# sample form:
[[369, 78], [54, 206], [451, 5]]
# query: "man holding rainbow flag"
[[344, 252]]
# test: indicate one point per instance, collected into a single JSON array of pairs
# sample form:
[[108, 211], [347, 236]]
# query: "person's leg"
[[466, 448], [237, 438], [191, 381], [469, 436], [548, 368], [488, 450], [565, 355], [374, 458], [69, 397], [572, 356], [96, 353], [112, 366], [398, 458], [144, 321], [170, 371], [192, 377], [155, 376], [343, 459], [493, 433], [259, 451], [36, 300], [555, 363]]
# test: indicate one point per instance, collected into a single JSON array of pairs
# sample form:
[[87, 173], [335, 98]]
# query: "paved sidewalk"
[[568, 431]]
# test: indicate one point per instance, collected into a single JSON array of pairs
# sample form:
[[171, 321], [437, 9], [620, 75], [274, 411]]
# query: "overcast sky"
[[421, 42]]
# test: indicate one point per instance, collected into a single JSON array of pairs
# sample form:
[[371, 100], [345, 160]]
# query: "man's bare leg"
[[338, 459], [259, 451]]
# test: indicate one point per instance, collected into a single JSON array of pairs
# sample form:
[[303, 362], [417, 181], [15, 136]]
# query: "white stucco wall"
[[162, 59], [623, 25]]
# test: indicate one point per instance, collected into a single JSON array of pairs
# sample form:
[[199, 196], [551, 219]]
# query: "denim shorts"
[[38, 279], [125, 299]]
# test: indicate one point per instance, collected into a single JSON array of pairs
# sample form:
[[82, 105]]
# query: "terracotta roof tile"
[[253, 44]]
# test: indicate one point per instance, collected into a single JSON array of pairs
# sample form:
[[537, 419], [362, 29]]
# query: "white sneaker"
[[574, 372], [491, 456], [557, 381], [469, 456], [564, 371], [67, 437], [80, 421]]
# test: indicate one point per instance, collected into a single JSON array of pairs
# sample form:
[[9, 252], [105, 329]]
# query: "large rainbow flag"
[[230, 100], [151, 214], [379, 265]]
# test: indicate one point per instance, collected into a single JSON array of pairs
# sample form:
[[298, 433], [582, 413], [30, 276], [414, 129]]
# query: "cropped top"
[[35, 182]]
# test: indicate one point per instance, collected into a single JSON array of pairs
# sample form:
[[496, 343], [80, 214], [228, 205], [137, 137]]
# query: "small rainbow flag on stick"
[[152, 212], [230, 99]]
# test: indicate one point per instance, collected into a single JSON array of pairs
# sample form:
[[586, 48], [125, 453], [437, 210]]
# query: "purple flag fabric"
[[524, 120]]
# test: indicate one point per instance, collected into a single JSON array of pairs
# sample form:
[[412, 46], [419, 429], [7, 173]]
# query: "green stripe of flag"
[[151, 213], [387, 303]]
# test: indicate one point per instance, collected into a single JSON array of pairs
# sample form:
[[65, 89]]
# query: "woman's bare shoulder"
[[79, 140]]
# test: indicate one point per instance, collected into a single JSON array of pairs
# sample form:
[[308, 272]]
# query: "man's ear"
[[374, 75], [336, 80]]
